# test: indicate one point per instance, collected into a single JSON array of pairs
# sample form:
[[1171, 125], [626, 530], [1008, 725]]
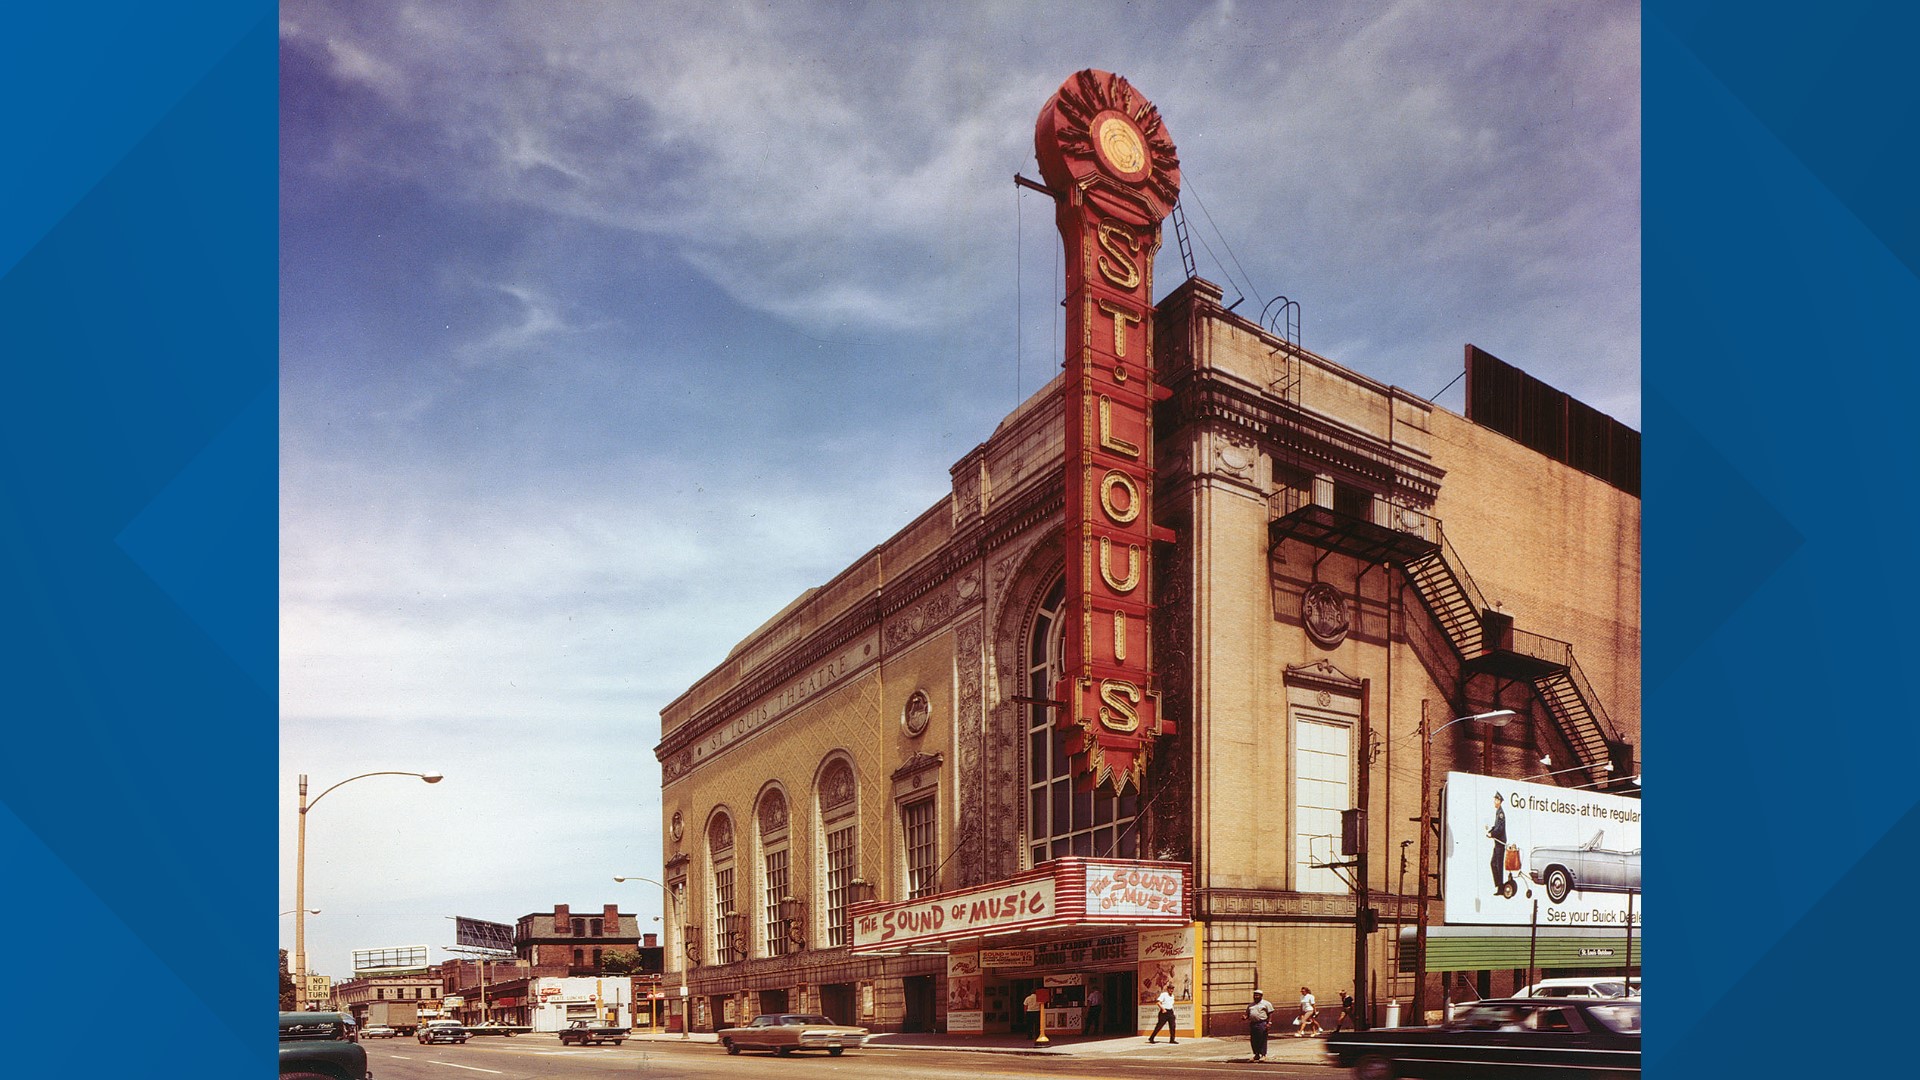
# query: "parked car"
[[495, 1028], [321, 1046], [1590, 866], [378, 1031], [783, 1033], [1510, 1037], [581, 1033], [1595, 986], [441, 1031]]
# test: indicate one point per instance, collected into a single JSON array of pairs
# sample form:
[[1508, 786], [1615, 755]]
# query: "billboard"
[[397, 960], [481, 934], [1507, 843]]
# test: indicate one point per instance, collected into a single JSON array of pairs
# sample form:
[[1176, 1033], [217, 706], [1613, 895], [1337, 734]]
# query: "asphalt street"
[[539, 1057]]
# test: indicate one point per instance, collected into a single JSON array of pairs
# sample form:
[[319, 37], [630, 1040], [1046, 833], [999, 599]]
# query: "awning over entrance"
[[1487, 948], [1120, 894]]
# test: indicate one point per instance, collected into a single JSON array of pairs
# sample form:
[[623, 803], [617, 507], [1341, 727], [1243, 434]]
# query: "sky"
[[607, 329]]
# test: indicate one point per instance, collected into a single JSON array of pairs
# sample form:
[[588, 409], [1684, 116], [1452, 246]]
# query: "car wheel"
[[782, 1051], [732, 1048], [1373, 1067], [835, 1051], [1559, 884]]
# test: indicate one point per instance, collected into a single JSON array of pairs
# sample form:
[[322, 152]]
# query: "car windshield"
[[1623, 1016], [1489, 1017]]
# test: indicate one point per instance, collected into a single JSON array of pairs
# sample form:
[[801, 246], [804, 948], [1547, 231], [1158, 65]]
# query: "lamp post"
[[1608, 767], [300, 872], [673, 905], [1496, 717]]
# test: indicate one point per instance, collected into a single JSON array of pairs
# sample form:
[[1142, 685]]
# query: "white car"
[[1586, 986], [378, 1031]]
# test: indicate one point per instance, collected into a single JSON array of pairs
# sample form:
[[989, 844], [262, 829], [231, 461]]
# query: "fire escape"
[[1483, 640]]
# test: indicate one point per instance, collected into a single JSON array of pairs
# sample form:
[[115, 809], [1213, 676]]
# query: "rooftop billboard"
[[397, 960], [480, 934]]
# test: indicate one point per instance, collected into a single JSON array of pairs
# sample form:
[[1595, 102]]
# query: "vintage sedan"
[[783, 1033], [1590, 866], [441, 1031], [321, 1046], [1567, 1038], [378, 1031]]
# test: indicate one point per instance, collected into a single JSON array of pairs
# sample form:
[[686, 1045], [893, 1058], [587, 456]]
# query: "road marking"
[[469, 1068]]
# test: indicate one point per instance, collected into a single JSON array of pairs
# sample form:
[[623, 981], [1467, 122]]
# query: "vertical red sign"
[[1115, 177]]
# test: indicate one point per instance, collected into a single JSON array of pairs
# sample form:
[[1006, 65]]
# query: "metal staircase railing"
[[1448, 592]]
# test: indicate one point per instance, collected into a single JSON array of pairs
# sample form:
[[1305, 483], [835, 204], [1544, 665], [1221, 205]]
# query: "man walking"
[[1259, 1014], [1166, 1020], [1093, 1010]]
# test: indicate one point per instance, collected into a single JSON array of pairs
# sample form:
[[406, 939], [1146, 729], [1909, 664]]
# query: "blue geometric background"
[[138, 490], [138, 535], [1781, 243]]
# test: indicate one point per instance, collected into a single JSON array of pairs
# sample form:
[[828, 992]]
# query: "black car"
[[320, 1046], [1582, 1038]]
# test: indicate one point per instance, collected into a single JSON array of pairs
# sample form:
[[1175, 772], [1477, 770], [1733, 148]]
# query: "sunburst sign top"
[[1098, 124]]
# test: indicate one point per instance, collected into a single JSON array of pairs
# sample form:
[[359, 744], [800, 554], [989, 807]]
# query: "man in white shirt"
[[1166, 1019]]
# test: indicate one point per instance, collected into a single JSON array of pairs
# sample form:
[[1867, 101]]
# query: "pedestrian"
[[1259, 1014], [1166, 1019], [1308, 1025], [1033, 1013], [1093, 1010], [1346, 1012]]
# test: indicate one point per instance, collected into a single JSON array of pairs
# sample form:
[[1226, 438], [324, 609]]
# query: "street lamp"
[[300, 870], [1608, 767], [673, 901], [1496, 717]]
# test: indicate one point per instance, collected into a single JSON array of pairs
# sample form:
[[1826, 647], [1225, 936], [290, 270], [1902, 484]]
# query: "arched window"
[[774, 879], [1060, 820], [839, 836], [720, 862]]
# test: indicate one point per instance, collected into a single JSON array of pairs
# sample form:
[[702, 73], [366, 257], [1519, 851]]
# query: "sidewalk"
[[1311, 1051]]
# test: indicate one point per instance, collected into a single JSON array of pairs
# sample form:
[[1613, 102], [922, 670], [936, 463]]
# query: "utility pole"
[[1361, 928], [1419, 1004]]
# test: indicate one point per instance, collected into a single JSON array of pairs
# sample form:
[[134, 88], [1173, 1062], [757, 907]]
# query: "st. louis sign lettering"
[[1115, 177]]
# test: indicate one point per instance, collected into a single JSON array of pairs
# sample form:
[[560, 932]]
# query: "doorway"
[[772, 1001], [920, 1003], [837, 1002]]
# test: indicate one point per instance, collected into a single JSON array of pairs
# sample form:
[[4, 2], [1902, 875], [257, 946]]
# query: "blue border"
[[137, 301], [1781, 245]]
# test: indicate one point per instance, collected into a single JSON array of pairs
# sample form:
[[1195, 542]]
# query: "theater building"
[[1096, 720]]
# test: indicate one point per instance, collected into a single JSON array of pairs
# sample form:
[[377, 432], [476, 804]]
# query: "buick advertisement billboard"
[[1507, 843]]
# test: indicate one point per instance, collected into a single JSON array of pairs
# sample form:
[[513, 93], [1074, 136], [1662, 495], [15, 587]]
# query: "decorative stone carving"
[[836, 785], [1235, 455], [773, 813], [1323, 611], [918, 713], [720, 833]]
